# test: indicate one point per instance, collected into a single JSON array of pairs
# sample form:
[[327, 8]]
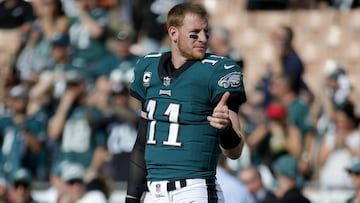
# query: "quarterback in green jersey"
[[189, 102]]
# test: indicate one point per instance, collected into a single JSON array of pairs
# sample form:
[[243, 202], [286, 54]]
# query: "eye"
[[194, 36]]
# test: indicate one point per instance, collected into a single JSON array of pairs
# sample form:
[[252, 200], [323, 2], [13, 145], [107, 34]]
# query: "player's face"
[[193, 37]]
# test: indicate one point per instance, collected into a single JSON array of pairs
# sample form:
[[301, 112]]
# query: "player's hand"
[[220, 118]]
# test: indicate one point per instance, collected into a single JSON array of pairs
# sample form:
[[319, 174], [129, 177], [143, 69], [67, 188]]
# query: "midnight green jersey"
[[180, 141]]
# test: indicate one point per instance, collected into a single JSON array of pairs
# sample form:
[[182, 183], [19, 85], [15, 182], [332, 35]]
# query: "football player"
[[189, 102]]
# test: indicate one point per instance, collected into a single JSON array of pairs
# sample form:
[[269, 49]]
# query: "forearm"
[[293, 142], [309, 145], [4, 72], [137, 170], [327, 105], [25, 28], [2, 89], [40, 89], [258, 135], [100, 156], [323, 154], [231, 139], [57, 122], [95, 29]]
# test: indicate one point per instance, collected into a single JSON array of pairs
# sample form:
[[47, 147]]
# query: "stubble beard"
[[189, 52]]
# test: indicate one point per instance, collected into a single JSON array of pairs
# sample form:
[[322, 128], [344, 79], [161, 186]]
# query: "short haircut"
[[177, 14]]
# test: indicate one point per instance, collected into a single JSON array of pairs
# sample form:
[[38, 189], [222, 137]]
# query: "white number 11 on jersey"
[[172, 112]]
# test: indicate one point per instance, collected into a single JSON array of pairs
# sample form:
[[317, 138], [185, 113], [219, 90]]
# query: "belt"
[[171, 185], [177, 184]]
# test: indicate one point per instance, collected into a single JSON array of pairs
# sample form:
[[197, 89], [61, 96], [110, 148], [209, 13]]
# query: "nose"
[[203, 36]]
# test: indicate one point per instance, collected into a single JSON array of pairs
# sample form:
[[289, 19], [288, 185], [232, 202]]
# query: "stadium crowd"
[[66, 116]]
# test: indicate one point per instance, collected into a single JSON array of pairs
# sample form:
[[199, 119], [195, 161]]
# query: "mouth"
[[200, 48]]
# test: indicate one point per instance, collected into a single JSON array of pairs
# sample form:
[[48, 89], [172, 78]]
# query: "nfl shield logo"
[[158, 187], [166, 81]]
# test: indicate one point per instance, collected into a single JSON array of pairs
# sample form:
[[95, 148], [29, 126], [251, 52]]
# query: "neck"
[[18, 118], [176, 58]]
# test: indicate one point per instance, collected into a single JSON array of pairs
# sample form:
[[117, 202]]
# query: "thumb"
[[224, 99]]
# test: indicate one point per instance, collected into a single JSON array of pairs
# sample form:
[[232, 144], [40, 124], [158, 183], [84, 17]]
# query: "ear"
[[173, 34]]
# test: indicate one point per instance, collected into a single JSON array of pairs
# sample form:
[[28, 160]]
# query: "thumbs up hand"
[[220, 118]]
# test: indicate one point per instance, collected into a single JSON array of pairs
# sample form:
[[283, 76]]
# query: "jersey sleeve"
[[228, 77], [137, 90], [142, 78]]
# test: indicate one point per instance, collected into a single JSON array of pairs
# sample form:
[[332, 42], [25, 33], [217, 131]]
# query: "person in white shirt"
[[234, 191]]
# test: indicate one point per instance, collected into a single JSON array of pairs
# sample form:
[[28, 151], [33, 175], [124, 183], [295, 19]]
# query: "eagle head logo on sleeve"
[[232, 79]]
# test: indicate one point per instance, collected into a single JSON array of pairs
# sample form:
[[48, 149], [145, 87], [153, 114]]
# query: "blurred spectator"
[[275, 138], [119, 103], [117, 70], [354, 171], [339, 147], [87, 33], [21, 136], [8, 79], [3, 189], [121, 62], [97, 188], [332, 92], [220, 44], [150, 23], [75, 187], [338, 85], [125, 60], [35, 57], [298, 114], [288, 62], [120, 17], [289, 180], [20, 190], [56, 189], [69, 8], [53, 79], [252, 112], [74, 124], [51, 18], [20, 19], [120, 122], [251, 177], [234, 190], [45, 95], [15, 23]]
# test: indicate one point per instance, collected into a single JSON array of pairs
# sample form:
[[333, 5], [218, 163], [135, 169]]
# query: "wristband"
[[229, 138]]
